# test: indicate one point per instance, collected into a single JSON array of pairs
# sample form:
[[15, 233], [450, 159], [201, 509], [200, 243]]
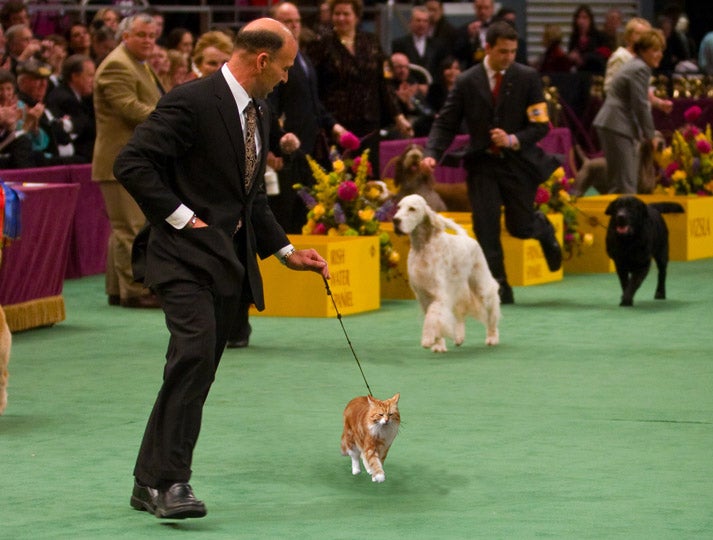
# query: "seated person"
[[72, 100], [15, 146], [411, 87], [50, 135]]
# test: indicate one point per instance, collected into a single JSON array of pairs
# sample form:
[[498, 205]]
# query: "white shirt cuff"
[[180, 217], [281, 253]]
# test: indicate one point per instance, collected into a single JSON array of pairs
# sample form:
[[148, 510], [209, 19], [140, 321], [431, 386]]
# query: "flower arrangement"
[[686, 167], [344, 202], [553, 196]]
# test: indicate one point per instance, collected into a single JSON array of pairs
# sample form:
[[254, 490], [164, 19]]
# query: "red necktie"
[[498, 81]]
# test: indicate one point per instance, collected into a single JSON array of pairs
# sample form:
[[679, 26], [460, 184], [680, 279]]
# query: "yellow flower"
[[318, 210], [367, 214], [333, 232], [588, 239], [338, 166], [308, 227], [679, 176], [558, 174], [394, 257], [563, 195]]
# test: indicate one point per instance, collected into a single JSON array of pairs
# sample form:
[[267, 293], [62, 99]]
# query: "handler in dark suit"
[[297, 103], [188, 167], [505, 121]]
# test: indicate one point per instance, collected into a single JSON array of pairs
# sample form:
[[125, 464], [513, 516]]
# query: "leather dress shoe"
[[113, 299], [179, 502], [550, 246], [146, 301], [144, 498], [506, 294], [238, 343]]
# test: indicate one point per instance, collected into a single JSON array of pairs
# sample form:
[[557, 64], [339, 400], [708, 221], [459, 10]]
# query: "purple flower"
[[339, 216], [695, 165], [307, 198], [386, 211], [347, 191]]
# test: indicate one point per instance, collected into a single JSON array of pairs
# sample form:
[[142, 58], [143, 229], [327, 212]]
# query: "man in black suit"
[[297, 103], [417, 45], [197, 173], [469, 45], [505, 121], [72, 99]]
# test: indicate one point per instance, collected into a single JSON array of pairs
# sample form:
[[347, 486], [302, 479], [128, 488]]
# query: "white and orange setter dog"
[[449, 275], [5, 341]]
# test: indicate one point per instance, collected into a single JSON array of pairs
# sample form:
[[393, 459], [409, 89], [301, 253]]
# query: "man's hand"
[[289, 143], [428, 164], [308, 259]]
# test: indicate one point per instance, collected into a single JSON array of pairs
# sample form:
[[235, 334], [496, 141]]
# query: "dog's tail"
[[452, 225], [667, 207]]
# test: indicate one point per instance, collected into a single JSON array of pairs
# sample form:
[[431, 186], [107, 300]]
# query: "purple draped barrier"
[[557, 141], [90, 226], [33, 266]]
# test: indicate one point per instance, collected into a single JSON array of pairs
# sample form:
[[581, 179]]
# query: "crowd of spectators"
[[46, 119]]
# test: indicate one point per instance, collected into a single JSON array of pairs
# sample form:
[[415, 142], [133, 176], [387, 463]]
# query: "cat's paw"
[[378, 477]]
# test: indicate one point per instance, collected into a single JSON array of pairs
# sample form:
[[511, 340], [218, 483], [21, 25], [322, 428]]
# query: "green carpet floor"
[[588, 421]]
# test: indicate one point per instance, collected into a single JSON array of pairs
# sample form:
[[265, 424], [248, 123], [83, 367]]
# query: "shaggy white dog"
[[449, 275]]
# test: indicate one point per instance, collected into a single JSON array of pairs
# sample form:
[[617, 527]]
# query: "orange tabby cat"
[[370, 426]]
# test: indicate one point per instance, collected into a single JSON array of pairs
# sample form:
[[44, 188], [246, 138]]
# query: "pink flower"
[[671, 168], [690, 132], [347, 191], [542, 196], [703, 146], [320, 228], [355, 166], [692, 113], [349, 141]]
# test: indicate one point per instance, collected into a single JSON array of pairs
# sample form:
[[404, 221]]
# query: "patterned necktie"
[[250, 145]]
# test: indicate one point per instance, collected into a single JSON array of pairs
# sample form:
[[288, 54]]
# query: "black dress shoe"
[[550, 246], [238, 343], [178, 502], [144, 498], [145, 301], [506, 294]]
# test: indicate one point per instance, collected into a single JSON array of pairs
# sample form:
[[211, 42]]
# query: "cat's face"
[[384, 412]]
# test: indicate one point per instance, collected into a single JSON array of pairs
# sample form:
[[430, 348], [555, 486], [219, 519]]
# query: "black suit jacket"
[[190, 150], [62, 101], [471, 100], [432, 56], [298, 100]]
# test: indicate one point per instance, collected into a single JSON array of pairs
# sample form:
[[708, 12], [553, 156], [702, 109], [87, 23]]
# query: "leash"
[[339, 316]]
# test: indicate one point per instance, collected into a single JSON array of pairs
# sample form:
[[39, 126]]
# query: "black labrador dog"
[[636, 234]]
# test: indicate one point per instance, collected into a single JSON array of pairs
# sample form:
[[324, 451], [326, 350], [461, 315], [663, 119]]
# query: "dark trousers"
[[493, 183], [198, 321]]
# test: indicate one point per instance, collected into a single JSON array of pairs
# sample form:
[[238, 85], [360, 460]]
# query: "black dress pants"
[[492, 184], [198, 321]]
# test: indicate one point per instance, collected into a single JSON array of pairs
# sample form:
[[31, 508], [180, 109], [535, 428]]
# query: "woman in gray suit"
[[625, 120]]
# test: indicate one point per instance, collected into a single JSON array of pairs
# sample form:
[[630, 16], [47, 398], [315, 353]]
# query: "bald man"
[[199, 177]]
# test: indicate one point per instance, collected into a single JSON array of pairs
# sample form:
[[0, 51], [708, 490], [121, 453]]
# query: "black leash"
[[339, 316]]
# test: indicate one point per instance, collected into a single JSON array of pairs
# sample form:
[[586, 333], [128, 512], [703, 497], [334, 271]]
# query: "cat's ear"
[[371, 399], [395, 398]]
